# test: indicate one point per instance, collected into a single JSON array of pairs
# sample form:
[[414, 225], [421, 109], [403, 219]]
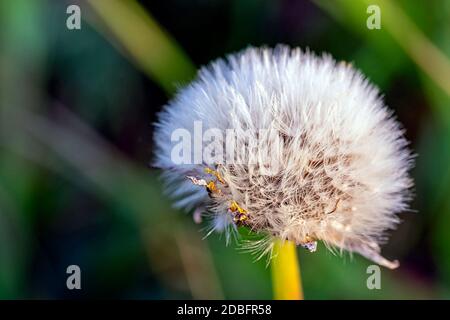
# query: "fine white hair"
[[340, 175]]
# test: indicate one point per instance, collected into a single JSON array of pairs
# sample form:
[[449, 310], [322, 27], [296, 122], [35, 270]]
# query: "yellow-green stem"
[[286, 280]]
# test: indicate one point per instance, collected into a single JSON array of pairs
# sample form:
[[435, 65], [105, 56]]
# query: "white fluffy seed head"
[[338, 160]]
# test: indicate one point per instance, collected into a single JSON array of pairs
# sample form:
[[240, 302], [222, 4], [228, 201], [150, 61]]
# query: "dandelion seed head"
[[331, 163]]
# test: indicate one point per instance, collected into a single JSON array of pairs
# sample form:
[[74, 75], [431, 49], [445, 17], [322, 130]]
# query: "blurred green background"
[[77, 108]]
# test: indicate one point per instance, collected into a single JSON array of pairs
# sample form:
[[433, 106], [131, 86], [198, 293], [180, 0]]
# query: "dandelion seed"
[[330, 163]]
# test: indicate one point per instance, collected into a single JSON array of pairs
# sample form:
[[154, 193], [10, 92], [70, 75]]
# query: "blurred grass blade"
[[286, 272], [403, 30], [153, 50], [421, 50]]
